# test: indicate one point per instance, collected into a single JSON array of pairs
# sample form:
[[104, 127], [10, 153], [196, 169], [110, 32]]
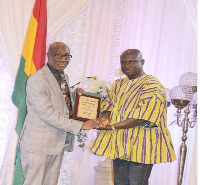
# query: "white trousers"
[[41, 169]]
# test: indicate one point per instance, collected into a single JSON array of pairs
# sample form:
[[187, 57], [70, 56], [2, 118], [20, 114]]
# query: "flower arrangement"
[[93, 85]]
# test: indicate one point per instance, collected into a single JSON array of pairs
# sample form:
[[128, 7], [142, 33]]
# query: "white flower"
[[119, 73], [100, 87]]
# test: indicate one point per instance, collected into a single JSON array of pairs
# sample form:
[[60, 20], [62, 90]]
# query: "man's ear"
[[142, 61]]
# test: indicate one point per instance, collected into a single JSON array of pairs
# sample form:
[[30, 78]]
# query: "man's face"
[[131, 65], [59, 57]]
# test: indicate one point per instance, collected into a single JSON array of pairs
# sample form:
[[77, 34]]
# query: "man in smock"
[[136, 136]]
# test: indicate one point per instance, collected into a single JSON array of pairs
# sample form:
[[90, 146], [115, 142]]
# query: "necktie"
[[66, 92]]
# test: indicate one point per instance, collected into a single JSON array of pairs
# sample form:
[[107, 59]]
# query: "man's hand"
[[79, 90], [90, 124], [102, 122]]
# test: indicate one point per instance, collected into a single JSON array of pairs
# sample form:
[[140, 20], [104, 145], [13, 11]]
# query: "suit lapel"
[[51, 80]]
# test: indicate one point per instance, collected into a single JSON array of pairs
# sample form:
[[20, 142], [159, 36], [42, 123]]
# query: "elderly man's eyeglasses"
[[59, 56]]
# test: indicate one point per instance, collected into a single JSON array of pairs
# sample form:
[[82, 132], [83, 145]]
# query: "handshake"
[[99, 123]]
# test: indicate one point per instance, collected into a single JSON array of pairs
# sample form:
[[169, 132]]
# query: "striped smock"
[[141, 98]]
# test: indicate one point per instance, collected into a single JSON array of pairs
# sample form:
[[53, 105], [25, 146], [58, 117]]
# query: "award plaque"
[[87, 106]]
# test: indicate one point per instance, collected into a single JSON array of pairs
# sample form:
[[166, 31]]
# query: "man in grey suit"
[[48, 123]]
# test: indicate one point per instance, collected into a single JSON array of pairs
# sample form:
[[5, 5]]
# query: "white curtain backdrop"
[[97, 31]]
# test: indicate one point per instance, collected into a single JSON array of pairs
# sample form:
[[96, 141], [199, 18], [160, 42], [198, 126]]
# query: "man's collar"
[[54, 71]]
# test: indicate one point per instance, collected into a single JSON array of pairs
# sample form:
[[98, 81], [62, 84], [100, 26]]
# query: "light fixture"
[[185, 96]]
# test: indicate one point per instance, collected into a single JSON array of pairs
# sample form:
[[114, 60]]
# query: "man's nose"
[[64, 59]]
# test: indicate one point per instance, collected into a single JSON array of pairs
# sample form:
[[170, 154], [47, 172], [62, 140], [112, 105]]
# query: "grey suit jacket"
[[47, 122]]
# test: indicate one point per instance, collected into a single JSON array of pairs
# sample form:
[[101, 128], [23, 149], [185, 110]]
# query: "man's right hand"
[[103, 121], [90, 124]]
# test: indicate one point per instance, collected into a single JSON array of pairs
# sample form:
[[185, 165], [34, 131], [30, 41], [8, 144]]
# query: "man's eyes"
[[128, 62]]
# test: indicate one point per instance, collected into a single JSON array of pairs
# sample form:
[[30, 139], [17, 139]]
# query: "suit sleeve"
[[40, 98]]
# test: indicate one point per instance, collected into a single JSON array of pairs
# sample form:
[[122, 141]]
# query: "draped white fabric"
[[14, 17], [97, 31]]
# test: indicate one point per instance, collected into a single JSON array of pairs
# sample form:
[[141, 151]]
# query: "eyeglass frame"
[[58, 56]]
